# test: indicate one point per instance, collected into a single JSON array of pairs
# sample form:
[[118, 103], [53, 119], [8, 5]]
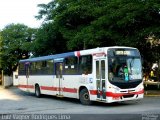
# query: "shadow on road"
[[95, 103], [16, 91]]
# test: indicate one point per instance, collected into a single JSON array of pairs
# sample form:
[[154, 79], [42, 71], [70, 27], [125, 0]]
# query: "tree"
[[56, 12], [92, 23], [0, 50], [15, 45], [48, 41]]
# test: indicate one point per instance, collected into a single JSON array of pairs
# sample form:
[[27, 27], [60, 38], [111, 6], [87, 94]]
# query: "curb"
[[152, 95]]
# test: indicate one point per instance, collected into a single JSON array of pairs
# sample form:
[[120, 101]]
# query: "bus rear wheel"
[[84, 97], [37, 91]]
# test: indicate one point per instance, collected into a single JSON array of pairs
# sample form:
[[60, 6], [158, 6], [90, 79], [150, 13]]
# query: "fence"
[[7, 81]]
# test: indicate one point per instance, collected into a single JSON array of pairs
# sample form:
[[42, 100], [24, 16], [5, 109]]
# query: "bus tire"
[[84, 97], [37, 91]]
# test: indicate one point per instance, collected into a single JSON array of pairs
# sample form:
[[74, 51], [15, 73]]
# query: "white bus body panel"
[[70, 84]]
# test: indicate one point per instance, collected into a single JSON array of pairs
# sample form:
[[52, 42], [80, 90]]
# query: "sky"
[[20, 11]]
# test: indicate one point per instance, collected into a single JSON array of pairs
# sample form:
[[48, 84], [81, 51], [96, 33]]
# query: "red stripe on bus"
[[71, 90], [26, 86], [74, 90], [78, 54], [111, 94], [49, 88], [99, 54], [93, 92]]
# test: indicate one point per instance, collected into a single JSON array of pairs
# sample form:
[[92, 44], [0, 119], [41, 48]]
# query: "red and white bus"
[[107, 74]]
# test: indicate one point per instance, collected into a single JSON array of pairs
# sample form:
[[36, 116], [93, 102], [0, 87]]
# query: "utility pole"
[[2, 77], [84, 45]]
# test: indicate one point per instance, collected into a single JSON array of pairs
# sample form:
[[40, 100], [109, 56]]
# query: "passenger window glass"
[[71, 65], [85, 64], [42, 68], [97, 70], [103, 69]]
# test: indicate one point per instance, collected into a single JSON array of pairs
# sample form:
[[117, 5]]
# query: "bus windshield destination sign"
[[123, 52], [120, 52]]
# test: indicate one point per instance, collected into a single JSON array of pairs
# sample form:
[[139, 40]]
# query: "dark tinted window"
[[42, 68], [81, 65], [85, 64], [71, 65], [21, 70]]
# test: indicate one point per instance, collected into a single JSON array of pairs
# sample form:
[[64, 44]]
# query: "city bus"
[[106, 74]]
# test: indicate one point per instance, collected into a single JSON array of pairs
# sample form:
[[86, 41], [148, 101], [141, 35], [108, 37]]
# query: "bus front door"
[[27, 75], [59, 78], [100, 79]]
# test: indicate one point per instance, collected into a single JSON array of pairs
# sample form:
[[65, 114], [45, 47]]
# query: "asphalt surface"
[[15, 102]]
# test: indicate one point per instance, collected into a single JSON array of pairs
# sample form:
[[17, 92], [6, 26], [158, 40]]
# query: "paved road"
[[14, 101]]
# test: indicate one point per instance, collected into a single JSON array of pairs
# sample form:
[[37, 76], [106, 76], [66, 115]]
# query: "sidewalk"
[[1, 87], [151, 88], [152, 93]]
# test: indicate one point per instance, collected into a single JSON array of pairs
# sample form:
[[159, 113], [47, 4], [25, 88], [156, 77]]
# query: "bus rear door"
[[59, 78], [27, 64]]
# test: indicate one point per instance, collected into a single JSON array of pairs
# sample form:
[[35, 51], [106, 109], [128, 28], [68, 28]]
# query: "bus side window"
[[47, 67], [21, 69], [42, 68], [70, 67], [85, 64], [59, 70], [50, 67], [27, 65]]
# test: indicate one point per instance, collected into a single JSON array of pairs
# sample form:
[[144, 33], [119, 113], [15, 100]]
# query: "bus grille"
[[128, 96]]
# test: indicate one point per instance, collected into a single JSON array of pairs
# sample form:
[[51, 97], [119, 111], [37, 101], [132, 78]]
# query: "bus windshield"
[[124, 66]]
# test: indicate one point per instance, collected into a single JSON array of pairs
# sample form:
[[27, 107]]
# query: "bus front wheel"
[[37, 91], [84, 97]]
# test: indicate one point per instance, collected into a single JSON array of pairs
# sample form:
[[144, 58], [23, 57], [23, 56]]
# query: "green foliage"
[[82, 24], [94, 23], [48, 41], [15, 45]]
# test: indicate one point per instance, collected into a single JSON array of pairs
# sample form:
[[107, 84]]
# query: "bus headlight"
[[114, 89]]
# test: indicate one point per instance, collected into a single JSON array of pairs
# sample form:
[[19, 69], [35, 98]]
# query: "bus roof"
[[69, 54], [49, 57]]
